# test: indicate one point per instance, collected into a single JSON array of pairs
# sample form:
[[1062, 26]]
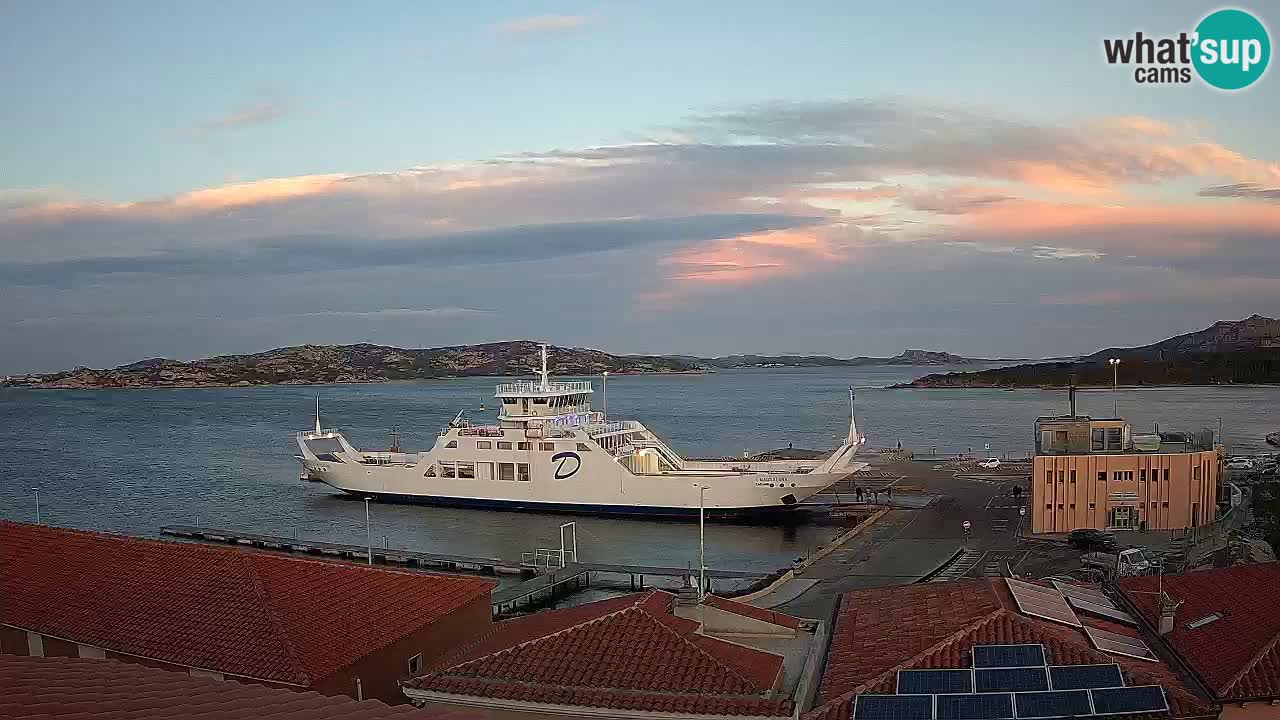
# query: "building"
[[36, 688], [333, 627], [641, 655], [1224, 627], [1098, 473], [880, 632]]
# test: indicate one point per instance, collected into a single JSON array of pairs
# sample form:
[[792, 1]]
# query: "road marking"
[[960, 566]]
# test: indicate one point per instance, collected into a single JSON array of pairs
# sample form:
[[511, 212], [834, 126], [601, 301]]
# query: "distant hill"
[[1229, 351], [362, 363], [908, 357]]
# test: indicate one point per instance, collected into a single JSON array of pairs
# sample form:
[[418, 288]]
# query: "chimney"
[[1167, 610]]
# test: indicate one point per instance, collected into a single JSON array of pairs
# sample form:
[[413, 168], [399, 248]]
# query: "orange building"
[[1097, 473]]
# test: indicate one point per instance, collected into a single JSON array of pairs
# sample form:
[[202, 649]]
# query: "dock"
[[537, 588]]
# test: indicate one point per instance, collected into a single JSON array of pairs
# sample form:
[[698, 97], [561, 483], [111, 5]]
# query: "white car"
[[1240, 464], [989, 463]]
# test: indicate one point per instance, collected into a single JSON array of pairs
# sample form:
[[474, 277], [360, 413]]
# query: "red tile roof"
[[248, 613], [1237, 656], [623, 653], [935, 625], [73, 689]]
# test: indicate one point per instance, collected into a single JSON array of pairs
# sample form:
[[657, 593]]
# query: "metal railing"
[[522, 387], [618, 426]]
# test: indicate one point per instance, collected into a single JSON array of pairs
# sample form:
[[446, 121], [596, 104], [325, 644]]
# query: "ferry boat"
[[550, 451]]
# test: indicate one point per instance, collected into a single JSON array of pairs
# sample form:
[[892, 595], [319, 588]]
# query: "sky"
[[185, 180]]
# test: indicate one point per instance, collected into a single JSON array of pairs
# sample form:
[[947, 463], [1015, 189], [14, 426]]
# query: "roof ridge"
[[1266, 650], [642, 597], [732, 672], [273, 617]]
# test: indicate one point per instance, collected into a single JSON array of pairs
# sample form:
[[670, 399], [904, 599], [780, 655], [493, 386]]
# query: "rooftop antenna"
[[546, 384], [317, 413]]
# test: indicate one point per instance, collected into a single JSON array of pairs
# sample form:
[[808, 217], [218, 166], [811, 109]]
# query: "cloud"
[[537, 24], [1241, 190], [249, 114]]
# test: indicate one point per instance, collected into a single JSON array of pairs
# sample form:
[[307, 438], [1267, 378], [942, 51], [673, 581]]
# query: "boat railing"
[[308, 434], [482, 430], [612, 427], [533, 387]]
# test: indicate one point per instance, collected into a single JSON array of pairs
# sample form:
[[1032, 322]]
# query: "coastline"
[[1080, 388]]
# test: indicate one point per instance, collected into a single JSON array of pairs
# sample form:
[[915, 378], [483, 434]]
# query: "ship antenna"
[[546, 384], [853, 427], [317, 413]]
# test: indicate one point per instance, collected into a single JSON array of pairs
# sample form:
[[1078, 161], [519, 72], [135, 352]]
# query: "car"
[[989, 463], [1240, 463], [1092, 540]]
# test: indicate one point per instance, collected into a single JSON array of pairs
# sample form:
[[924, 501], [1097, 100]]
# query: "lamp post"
[[606, 395], [37, 492], [1115, 381], [702, 539], [368, 529]]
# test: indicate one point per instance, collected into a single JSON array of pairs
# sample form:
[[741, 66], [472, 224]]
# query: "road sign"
[[966, 526], [988, 446], [1022, 511]]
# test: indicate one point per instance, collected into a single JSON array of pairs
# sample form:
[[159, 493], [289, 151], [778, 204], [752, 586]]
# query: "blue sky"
[[115, 110]]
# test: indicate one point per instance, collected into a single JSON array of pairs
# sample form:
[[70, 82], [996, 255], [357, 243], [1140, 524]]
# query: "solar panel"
[[1011, 679], [993, 656], [1089, 593], [991, 706], [1079, 677], [1119, 644], [1042, 602], [893, 707], [1054, 704], [934, 682], [1106, 611], [1118, 701]]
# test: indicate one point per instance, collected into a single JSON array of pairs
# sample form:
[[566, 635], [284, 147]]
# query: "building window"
[[1165, 504], [1048, 476], [522, 446], [1153, 503], [548, 447], [1115, 476], [415, 665], [1195, 473], [1093, 506], [1128, 476], [452, 444], [484, 444], [1096, 439], [1062, 475], [1059, 506], [1048, 507], [1102, 476], [522, 472], [507, 472], [1142, 475], [1073, 506], [504, 445], [466, 470], [1073, 476], [582, 447], [1114, 439], [1166, 474]]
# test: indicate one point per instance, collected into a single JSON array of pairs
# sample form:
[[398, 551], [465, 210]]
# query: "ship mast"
[[546, 382]]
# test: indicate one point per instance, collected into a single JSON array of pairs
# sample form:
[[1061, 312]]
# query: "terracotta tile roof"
[[745, 610], [74, 689], [623, 653], [1238, 655], [247, 613], [935, 625]]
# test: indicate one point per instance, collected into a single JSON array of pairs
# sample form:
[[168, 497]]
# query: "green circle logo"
[[1232, 49]]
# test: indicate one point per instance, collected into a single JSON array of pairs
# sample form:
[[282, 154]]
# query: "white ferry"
[[550, 451]]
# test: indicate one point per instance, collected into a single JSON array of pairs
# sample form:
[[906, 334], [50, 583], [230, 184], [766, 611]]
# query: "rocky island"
[[1228, 352], [361, 363]]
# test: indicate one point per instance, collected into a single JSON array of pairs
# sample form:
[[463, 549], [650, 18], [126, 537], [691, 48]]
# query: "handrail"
[[533, 387]]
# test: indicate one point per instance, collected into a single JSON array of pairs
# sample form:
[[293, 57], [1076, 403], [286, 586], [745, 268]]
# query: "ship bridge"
[[541, 401]]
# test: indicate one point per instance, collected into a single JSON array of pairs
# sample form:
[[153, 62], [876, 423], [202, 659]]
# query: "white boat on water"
[[550, 451]]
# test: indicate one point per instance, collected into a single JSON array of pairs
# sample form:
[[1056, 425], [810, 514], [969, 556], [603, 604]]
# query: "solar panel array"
[[1090, 599], [1024, 688], [1119, 644], [1043, 602]]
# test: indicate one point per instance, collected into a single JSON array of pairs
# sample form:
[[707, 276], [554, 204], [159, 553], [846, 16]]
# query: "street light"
[[606, 395], [702, 539], [37, 492], [368, 529], [1115, 377]]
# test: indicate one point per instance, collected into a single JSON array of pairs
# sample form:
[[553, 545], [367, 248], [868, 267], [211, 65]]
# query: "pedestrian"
[[888, 493]]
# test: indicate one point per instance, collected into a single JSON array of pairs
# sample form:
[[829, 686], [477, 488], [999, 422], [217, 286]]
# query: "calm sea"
[[133, 460]]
